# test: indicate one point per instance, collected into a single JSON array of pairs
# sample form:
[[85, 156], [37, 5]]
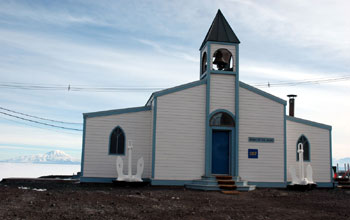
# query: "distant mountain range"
[[52, 157], [341, 161]]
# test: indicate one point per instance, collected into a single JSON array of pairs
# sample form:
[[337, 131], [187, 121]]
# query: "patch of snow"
[[40, 190], [55, 157], [23, 187]]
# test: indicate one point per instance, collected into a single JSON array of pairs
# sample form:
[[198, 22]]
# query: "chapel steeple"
[[220, 31], [219, 50]]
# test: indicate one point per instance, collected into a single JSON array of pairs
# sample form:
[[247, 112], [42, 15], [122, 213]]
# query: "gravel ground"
[[52, 200]]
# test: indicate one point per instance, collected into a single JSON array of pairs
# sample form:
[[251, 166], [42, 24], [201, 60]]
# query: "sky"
[[154, 44]]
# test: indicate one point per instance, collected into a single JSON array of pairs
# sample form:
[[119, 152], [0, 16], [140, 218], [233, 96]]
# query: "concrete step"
[[220, 183], [205, 182], [208, 178], [242, 183]]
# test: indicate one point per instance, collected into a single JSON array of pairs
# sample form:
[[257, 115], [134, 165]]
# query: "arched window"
[[222, 119], [222, 60], [204, 63], [306, 146], [117, 141]]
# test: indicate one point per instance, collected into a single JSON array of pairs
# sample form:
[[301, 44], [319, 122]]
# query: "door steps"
[[221, 183], [227, 185]]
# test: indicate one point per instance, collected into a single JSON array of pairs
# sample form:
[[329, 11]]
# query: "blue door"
[[220, 152]]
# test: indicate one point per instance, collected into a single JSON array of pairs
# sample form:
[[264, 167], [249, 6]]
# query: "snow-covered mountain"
[[57, 157], [341, 161]]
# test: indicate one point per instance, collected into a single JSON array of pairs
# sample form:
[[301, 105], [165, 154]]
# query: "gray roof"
[[220, 31]]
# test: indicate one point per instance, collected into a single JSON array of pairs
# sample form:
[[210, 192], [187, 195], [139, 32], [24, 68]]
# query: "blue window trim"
[[262, 93], [307, 122], [83, 149], [116, 111], [109, 145], [296, 156], [224, 111]]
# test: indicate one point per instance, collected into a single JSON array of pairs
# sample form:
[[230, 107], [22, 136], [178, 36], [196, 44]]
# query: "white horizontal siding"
[[222, 92], [137, 127], [261, 117], [180, 140], [319, 149]]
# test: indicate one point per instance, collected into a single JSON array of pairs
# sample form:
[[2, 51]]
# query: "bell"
[[222, 59]]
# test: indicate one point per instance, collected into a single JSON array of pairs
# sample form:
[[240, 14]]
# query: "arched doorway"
[[222, 127]]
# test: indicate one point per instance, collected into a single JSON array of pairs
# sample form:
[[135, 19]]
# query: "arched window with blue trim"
[[222, 119], [117, 141], [306, 146]]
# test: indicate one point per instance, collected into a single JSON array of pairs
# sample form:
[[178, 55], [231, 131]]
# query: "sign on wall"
[[261, 139], [253, 153]]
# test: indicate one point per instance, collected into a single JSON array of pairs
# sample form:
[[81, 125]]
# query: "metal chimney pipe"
[[291, 104]]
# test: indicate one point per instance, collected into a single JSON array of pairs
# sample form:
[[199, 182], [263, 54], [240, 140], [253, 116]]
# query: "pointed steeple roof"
[[220, 31]]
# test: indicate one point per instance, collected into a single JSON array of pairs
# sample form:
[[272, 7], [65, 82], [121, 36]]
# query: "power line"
[[23, 123], [45, 119], [302, 82], [83, 88], [54, 87], [38, 122]]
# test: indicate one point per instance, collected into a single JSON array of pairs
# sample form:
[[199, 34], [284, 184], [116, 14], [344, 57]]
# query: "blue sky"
[[155, 44]]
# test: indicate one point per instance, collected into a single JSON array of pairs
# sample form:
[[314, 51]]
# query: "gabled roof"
[[220, 31]]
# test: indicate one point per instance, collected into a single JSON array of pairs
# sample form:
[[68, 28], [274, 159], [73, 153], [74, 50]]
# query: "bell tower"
[[219, 50], [219, 68]]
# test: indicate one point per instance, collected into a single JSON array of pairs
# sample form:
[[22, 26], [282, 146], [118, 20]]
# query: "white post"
[[337, 170], [345, 170], [301, 161], [130, 157]]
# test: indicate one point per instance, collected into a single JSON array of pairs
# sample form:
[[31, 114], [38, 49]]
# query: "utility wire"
[[42, 123], [48, 87], [302, 82], [23, 123], [82, 88], [45, 119]]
